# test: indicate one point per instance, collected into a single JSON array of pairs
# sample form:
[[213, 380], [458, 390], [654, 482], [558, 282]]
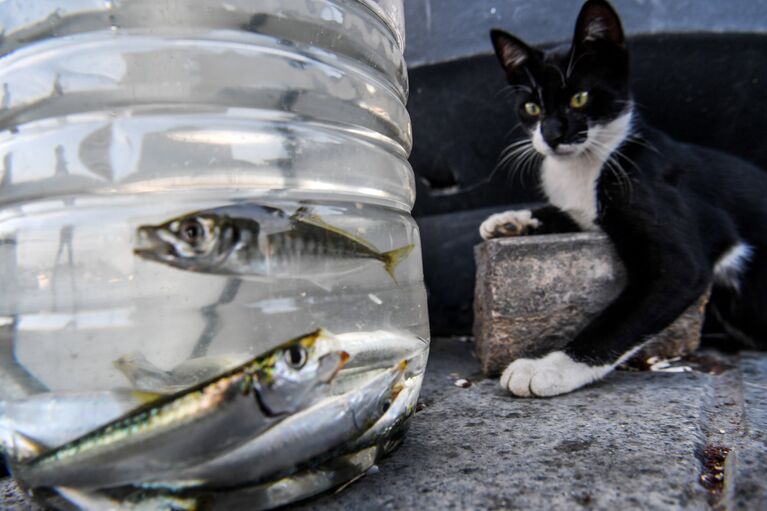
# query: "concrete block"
[[533, 294]]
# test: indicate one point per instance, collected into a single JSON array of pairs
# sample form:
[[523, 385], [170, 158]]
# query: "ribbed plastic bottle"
[[185, 185]]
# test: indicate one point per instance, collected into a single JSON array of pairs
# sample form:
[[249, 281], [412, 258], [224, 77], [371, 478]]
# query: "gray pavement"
[[638, 440]]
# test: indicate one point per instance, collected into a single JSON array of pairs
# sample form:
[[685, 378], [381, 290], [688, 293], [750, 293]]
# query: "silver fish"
[[185, 428], [300, 485], [251, 239], [86, 501], [55, 418], [144, 375], [380, 348], [369, 353], [393, 420], [301, 437]]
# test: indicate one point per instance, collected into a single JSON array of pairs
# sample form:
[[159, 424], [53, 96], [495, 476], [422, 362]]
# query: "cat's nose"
[[553, 132]]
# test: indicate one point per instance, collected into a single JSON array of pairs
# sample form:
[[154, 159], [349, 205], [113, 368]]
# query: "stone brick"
[[535, 293]]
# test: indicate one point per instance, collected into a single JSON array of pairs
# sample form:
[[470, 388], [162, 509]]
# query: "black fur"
[[680, 210]]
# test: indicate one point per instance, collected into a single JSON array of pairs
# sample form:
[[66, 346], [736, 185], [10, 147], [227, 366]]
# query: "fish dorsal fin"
[[305, 216], [145, 396], [20, 447]]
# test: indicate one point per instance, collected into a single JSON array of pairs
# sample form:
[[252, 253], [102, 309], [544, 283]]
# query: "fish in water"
[[393, 421], [252, 239], [269, 495], [306, 483], [322, 428], [55, 418], [190, 426], [369, 353], [86, 501]]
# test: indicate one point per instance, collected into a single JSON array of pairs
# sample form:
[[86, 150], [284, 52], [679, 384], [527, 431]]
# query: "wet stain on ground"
[[573, 445], [713, 458]]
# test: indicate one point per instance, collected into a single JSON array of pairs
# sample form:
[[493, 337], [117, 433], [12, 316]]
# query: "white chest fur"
[[570, 181], [570, 185]]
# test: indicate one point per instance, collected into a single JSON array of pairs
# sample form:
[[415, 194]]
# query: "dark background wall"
[[440, 30]]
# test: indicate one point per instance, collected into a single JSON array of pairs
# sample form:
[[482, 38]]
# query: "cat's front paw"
[[508, 223], [554, 374]]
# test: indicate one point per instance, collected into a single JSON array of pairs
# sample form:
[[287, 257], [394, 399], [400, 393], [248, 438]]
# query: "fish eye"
[[386, 406], [579, 99], [191, 231], [295, 356], [532, 109]]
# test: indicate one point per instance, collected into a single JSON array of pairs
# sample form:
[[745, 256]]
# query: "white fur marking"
[[513, 56], [569, 175], [554, 374], [596, 30], [495, 225], [731, 264]]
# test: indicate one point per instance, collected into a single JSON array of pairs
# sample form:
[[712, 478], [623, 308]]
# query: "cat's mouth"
[[562, 150], [568, 149]]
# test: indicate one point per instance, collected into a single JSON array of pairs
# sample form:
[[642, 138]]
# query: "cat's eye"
[[579, 99], [532, 109]]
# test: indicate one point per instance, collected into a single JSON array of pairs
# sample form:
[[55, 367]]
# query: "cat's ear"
[[511, 52], [598, 21]]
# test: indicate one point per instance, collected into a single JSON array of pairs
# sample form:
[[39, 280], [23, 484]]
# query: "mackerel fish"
[[252, 239], [369, 352], [55, 418], [393, 422], [190, 426], [269, 495], [322, 428]]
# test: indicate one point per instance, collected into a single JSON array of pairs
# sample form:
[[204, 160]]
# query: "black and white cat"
[[681, 217]]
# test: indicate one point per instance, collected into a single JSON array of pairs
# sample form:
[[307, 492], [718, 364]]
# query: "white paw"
[[554, 374], [508, 223]]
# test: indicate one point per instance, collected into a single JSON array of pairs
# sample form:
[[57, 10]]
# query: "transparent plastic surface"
[[137, 135]]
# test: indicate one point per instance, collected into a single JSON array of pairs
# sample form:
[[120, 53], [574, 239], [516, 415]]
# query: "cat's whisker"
[[571, 65], [526, 163], [518, 159], [509, 90], [510, 156], [636, 139], [513, 129], [507, 154], [611, 163], [514, 145]]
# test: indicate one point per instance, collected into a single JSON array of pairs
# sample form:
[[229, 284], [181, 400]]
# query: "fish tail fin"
[[393, 257]]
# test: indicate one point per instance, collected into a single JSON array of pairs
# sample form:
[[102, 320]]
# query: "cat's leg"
[[520, 222], [650, 302], [509, 223]]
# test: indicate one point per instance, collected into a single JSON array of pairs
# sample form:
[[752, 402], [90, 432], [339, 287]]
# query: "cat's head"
[[574, 101]]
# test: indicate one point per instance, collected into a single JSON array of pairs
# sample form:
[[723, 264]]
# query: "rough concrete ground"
[[633, 441]]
